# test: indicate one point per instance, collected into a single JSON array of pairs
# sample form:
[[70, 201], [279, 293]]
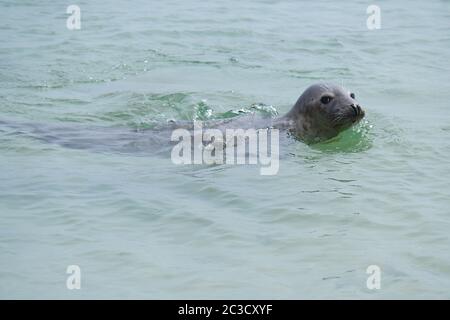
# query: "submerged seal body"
[[321, 113]]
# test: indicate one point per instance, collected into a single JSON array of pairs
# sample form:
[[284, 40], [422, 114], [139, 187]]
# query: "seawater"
[[142, 227]]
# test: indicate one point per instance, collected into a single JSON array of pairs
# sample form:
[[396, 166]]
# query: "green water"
[[142, 227]]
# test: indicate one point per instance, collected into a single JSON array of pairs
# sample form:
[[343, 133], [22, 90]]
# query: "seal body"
[[320, 113]]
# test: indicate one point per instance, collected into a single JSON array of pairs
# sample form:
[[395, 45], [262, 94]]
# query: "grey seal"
[[321, 113]]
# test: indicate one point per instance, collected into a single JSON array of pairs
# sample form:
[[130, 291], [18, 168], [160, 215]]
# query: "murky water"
[[139, 226]]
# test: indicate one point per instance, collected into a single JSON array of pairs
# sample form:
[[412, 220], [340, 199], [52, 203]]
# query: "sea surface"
[[139, 226]]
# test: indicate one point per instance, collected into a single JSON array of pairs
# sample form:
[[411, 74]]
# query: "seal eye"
[[325, 99], [352, 95]]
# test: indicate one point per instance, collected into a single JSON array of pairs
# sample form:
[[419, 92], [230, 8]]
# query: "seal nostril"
[[355, 110], [359, 109]]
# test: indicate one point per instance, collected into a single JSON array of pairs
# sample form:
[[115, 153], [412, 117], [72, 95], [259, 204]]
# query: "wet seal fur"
[[321, 113]]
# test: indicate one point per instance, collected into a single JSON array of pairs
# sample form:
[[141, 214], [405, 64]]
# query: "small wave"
[[355, 139]]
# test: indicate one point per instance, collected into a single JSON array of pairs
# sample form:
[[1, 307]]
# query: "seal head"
[[322, 112]]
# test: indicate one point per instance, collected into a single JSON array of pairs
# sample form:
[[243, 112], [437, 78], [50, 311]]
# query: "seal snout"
[[358, 112]]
